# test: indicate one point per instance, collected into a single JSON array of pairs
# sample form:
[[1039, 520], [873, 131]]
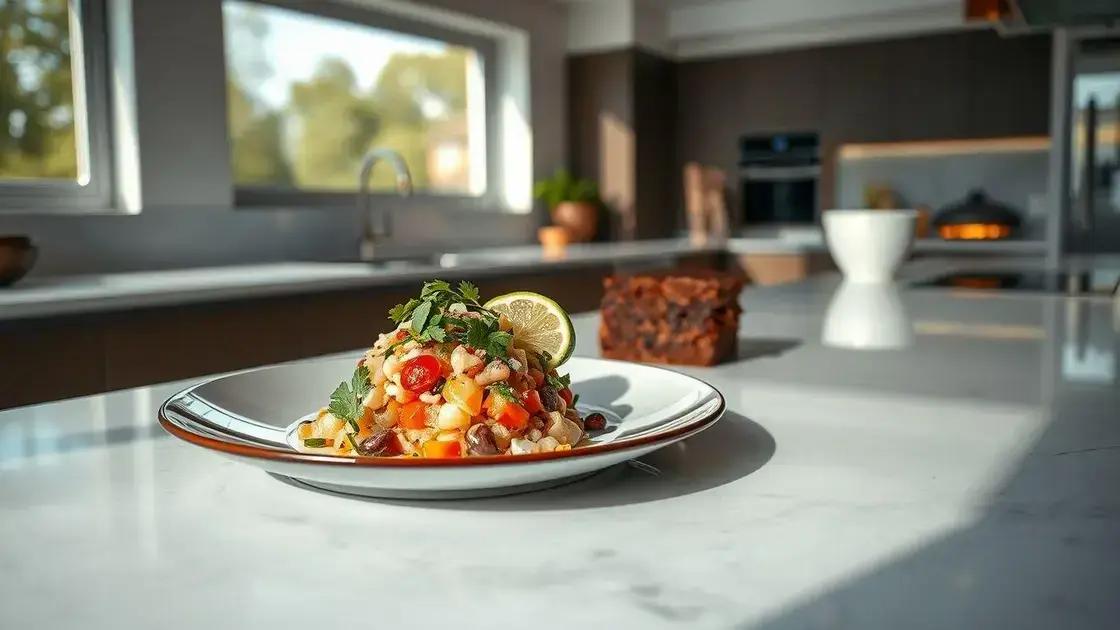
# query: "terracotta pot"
[[554, 236], [580, 217]]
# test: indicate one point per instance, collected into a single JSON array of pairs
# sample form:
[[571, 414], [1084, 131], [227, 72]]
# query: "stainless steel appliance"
[[778, 178], [1094, 144]]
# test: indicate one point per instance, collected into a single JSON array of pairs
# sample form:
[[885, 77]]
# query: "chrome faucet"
[[383, 228]]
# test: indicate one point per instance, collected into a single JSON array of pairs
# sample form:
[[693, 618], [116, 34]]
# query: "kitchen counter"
[[120, 291], [51, 296], [963, 475]]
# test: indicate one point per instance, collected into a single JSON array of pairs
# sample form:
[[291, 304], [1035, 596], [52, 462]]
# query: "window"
[[310, 94], [53, 140]]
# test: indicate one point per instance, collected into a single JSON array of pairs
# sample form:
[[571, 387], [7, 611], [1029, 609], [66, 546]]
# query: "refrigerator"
[[1093, 216]]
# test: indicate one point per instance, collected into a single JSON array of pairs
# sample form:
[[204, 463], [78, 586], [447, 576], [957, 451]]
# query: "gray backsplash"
[[193, 237], [1012, 178]]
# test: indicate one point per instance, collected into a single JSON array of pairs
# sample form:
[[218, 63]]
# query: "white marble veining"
[[965, 477]]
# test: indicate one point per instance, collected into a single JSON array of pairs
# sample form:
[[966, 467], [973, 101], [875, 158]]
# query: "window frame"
[[89, 62], [256, 196]]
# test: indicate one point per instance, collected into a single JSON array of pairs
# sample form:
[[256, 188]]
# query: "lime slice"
[[539, 324]]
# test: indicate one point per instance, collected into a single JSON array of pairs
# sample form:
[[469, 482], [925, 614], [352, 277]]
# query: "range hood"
[[1044, 14]]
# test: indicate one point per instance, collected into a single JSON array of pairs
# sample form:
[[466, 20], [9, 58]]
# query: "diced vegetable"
[[566, 394], [507, 412], [537, 376], [413, 415], [531, 400], [452, 416], [419, 374], [464, 392], [437, 449]]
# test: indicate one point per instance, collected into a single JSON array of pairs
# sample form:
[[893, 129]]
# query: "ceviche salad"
[[458, 378]]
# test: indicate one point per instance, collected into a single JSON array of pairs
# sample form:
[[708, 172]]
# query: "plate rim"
[[295, 457]]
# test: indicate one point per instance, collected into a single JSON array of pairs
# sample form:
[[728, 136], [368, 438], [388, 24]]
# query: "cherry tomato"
[[419, 374], [531, 400], [566, 394]]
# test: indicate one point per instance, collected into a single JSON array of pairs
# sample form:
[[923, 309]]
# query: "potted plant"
[[573, 203]]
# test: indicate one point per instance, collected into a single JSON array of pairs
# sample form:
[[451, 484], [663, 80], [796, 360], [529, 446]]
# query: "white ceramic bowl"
[[869, 245]]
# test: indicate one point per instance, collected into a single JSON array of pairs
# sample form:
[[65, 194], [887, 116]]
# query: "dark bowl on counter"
[[17, 257]]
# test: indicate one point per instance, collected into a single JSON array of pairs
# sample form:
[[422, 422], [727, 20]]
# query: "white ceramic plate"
[[248, 416]]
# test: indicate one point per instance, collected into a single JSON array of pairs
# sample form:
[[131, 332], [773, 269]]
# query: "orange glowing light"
[[974, 231], [975, 283]]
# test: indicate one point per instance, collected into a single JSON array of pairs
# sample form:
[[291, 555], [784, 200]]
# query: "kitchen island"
[[963, 474]]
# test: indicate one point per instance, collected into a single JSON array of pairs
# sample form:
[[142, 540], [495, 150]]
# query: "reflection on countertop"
[[867, 317]]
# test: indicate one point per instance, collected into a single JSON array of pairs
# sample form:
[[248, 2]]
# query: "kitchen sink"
[[407, 262]]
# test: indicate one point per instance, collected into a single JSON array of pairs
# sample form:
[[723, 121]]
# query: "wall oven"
[[778, 178]]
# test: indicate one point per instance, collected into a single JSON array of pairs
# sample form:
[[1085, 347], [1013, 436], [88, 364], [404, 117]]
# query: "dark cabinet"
[[973, 84], [927, 89], [54, 358]]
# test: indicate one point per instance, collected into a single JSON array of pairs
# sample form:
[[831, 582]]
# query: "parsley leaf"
[[468, 291], [497, 343], [359, 382], [342, 402], [346, 399], [559, 382], [478, 333], [433, 287], [401, 312], [420, 317]]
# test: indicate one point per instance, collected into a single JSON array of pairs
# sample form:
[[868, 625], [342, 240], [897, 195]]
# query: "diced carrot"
[[440, 450], [413, 415]]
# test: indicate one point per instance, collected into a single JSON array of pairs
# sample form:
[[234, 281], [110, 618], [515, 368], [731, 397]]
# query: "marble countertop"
[[64, 295], [891, 458]]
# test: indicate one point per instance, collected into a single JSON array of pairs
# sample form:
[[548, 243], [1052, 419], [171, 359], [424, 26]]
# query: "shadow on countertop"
[[751, 348]]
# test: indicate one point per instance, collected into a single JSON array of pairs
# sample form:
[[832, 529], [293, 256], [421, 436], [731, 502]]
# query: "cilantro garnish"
[[432, 318], [346, 399], [559, 382]]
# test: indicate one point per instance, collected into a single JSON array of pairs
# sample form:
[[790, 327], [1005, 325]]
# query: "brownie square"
[[681, 317]]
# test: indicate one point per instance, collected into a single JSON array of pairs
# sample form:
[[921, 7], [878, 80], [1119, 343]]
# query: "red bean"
[[595, 422]]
